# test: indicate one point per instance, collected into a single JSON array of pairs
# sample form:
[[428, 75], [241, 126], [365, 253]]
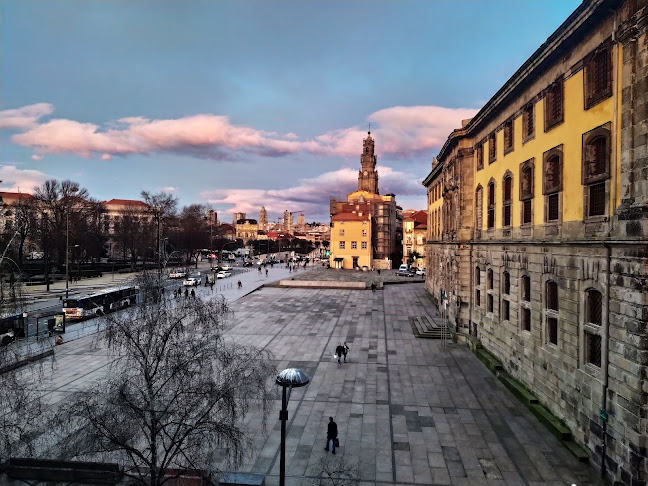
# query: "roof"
[[350, 217], [419, 217], [9, 197], [246, 221], [125, 202]]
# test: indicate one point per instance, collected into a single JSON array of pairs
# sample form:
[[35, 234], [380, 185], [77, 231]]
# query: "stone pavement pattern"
[[411, 412]]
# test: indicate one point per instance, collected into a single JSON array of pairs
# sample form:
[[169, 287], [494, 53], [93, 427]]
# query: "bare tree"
[[175, 394], [336, 472], [162, 206]]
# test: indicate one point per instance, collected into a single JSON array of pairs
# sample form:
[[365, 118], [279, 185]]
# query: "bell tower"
[[368, 177]]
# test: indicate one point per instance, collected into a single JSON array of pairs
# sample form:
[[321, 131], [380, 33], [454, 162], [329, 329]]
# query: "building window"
[[480, 156], [364, 232], [490, 302], [507, 189], [552, 183], [341, 232], [593, 348], [506, 310], [477, 285], [364, 245], [492, 148], [506, 283], [526, 319], [596, 169], [553, 105], [477, 276], [528, 123], [598, 76], [354, 245], [551, 310], [479, 211], [489, 283], [491, 205], [342, 245], [593, 307], [526, 191], [525, 298], [508, 136]]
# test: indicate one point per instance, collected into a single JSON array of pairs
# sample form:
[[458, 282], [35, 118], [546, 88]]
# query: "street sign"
[[604, 416]]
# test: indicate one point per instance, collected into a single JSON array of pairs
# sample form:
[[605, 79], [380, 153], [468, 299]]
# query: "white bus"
[[100, 303]]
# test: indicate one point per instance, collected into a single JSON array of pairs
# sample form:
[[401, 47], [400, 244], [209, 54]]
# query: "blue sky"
[[239, 104]]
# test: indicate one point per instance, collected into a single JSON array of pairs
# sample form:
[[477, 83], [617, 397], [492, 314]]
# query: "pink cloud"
[[24, 117], [312, 195], [400, 132], [19, 180]]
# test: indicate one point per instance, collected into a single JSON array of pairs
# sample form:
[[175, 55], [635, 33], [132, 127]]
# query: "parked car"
[[404, 273], [177, 274], [223, 274], [421, 271], [192, 282]]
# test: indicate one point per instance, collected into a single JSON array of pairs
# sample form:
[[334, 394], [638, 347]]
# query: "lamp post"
[[220, 256], [288, 379], [67, 266]]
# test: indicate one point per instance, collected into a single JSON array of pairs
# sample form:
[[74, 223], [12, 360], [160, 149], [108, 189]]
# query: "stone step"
[[426, 327]]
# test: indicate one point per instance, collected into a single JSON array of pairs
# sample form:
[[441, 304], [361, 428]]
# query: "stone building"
[[288, 221], [538, 229], [385, 235], [247, 229]]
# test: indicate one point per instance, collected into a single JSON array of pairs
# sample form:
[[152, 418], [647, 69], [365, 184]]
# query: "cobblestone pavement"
[[408, 410]]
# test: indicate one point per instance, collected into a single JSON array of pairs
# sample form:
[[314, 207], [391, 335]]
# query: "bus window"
[[70, 303]]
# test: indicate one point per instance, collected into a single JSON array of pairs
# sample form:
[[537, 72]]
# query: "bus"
[[12, 327], [100, 303]]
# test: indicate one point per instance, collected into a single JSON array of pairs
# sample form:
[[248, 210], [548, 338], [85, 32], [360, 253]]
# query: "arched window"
[[526, 191], [507, 189], [551, 311], [491, 205], [477, 287], [479, 208], [506, 290], [552, 183], [596, 169], [489, 283], [593, 320], [525, 298]]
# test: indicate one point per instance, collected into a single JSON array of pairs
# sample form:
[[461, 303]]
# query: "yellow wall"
[[576, 122], [352, 232]]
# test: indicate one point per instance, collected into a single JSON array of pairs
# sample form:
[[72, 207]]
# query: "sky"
[[239, 104]]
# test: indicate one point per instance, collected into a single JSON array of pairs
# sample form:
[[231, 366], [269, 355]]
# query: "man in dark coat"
[[331, 434], [339, 351]]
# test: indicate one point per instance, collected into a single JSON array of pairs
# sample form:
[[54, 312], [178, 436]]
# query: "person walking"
[[240, 285], [346, 350], [193, 294], [331, 435], [339, 351], [266, 272]]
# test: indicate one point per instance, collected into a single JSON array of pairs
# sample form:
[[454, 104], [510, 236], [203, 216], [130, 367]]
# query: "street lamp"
[[222, 248], [288, 379], [67, 267]]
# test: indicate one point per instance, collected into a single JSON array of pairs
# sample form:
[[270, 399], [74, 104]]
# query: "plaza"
[[408, 410]]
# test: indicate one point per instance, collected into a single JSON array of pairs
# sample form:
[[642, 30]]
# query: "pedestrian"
[[193, 294], [346, 350], [339, 351], [186, 292], [266, 272], [212, 286], [240, 285], [331, 435], [373, 286]]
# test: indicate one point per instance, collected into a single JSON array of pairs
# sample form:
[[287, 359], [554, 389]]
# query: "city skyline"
[[241, 105]]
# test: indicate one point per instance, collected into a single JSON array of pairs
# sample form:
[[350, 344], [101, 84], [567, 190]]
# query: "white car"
[[226, 267], [223, 274], [177, 274], [192, 282], [420, 271]]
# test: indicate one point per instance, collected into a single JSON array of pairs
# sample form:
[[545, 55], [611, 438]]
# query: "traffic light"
[[328, 253]]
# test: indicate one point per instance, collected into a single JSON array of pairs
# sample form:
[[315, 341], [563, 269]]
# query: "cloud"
[[19, 180], [170, 189], [25, 117], [312, 195], [400, 132]]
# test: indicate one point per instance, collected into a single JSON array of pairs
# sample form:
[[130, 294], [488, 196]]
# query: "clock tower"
[[368, 177]]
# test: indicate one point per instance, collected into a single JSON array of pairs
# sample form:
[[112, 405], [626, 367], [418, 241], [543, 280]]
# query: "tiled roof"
[[125, 202], [350, 217]]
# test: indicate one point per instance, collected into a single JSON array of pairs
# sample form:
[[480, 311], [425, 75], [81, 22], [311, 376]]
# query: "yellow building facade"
[[351, 241], [538, 230]]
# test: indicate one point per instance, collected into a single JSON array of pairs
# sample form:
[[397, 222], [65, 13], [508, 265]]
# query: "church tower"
[[368, 177], [263, 219]]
